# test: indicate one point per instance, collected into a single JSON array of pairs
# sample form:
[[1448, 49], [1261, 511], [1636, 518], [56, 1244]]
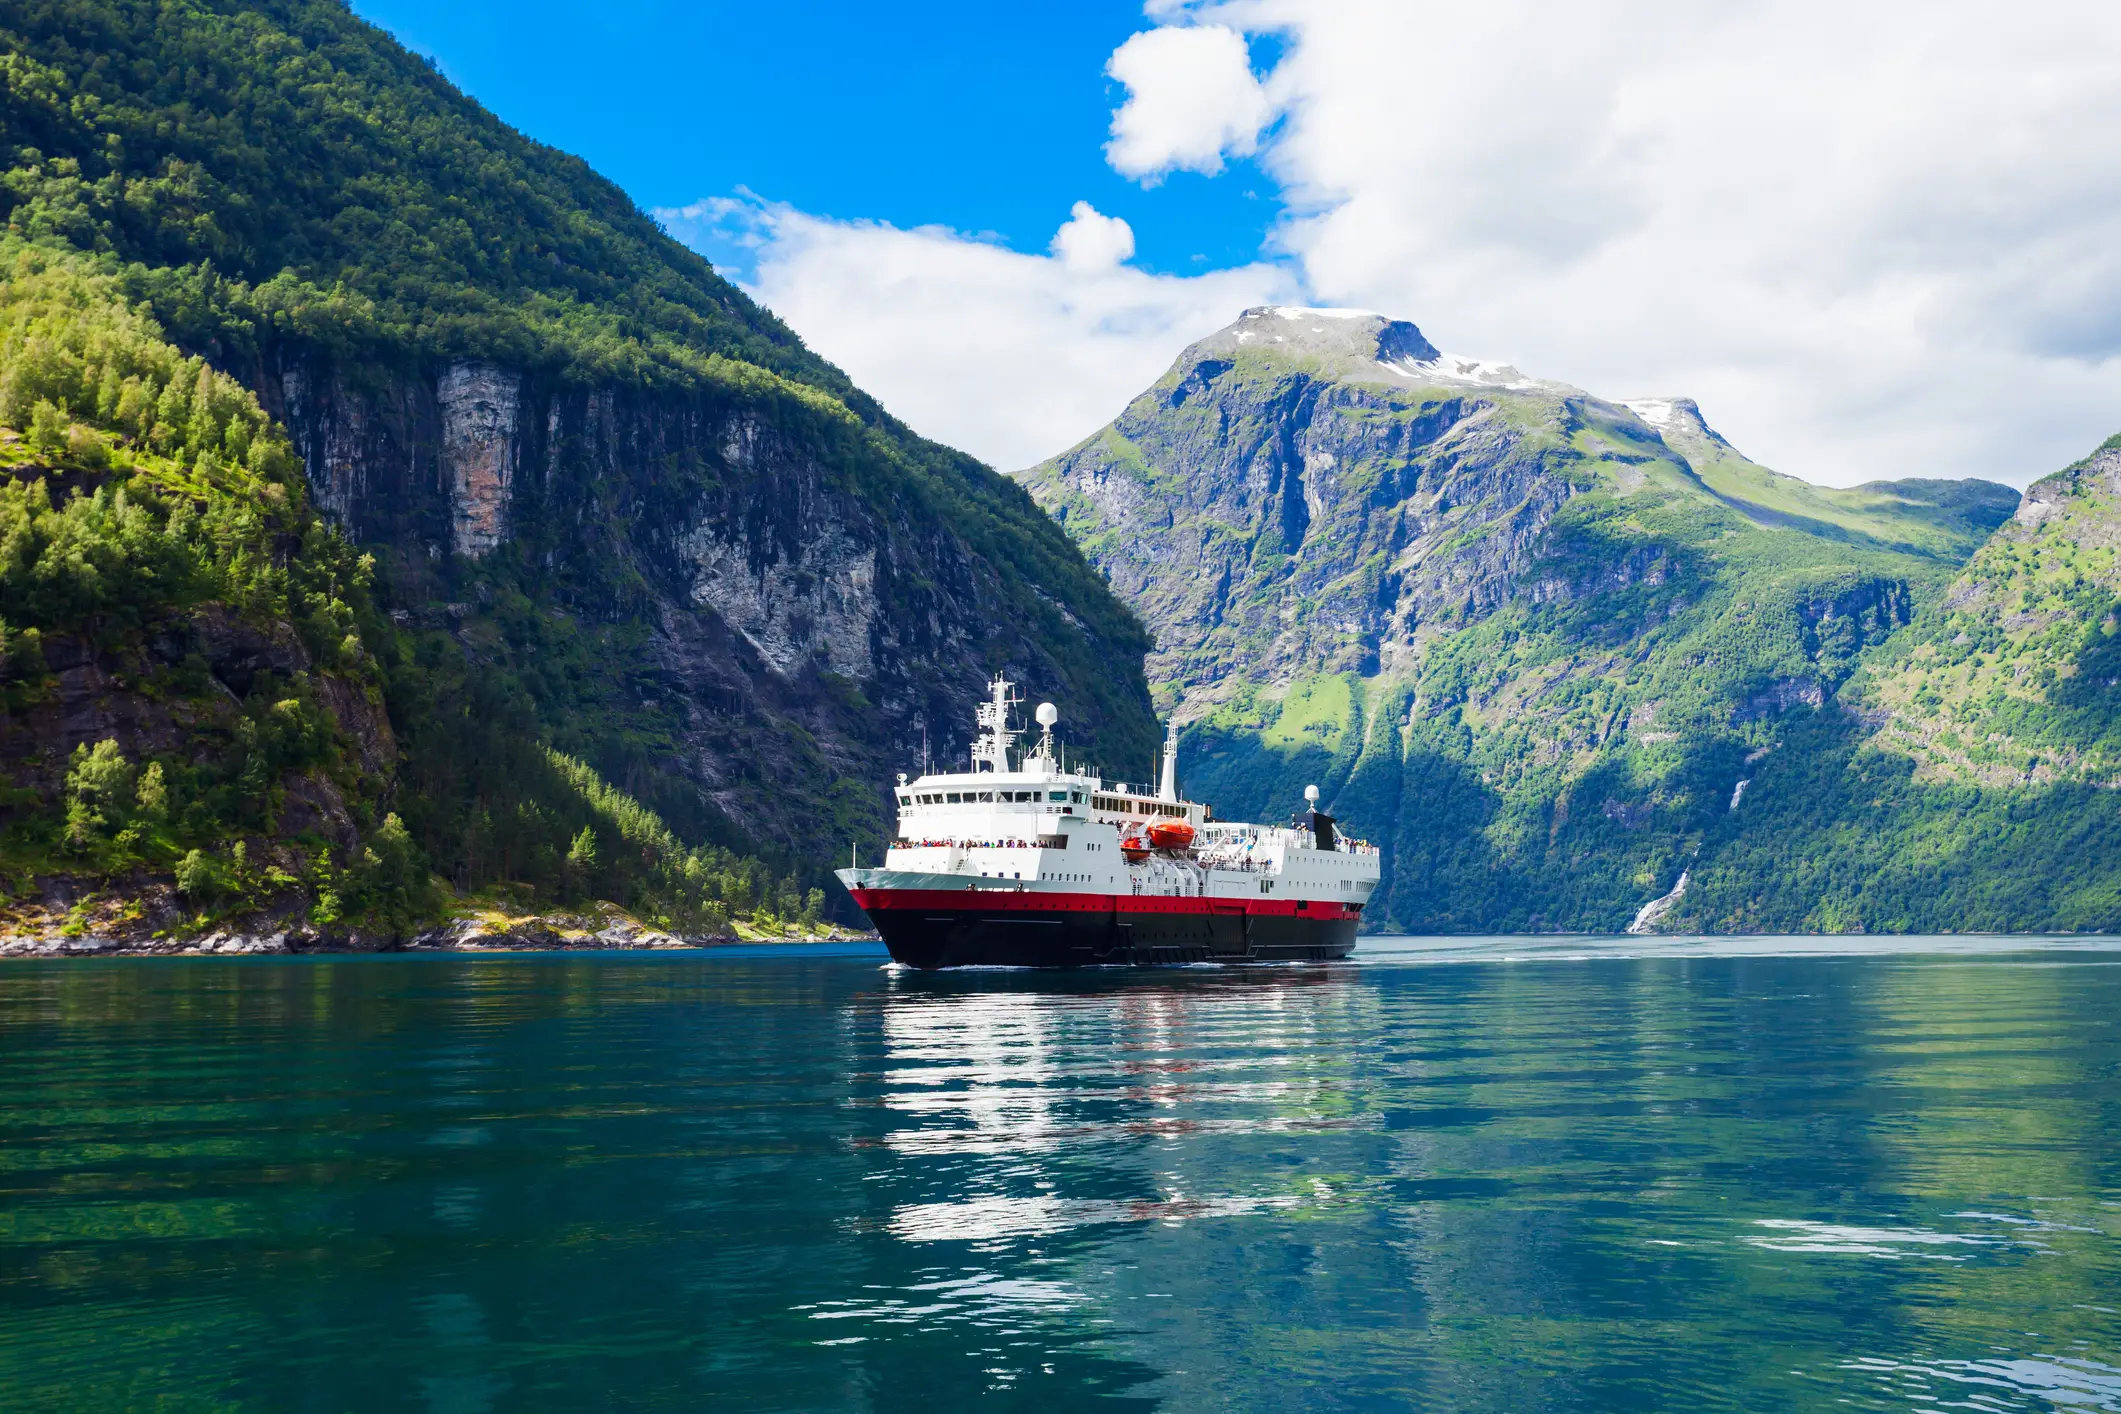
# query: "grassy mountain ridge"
[[1518, 635], [1945, 520]]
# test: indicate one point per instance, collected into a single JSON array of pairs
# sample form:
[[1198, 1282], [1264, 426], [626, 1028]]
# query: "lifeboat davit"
[[1170, 834]]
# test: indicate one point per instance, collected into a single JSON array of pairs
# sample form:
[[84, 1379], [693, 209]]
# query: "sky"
[[1874, 241]]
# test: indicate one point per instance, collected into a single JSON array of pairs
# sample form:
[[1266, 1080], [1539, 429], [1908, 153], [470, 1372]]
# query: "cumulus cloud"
[[1191, 98], [1881, 240], [1011, 357], [1091, 241]]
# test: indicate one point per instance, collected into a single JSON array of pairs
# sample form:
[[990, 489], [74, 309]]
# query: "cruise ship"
[[1022, 862]]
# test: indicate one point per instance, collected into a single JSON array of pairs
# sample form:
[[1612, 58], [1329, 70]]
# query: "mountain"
[[616, 510], [1968, 783], [1526, 638], [1944, 520], [2012, 681]]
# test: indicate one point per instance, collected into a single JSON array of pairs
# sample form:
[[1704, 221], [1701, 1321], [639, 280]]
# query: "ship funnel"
[[1168, 788]]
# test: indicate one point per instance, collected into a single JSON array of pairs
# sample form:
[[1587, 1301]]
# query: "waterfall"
[[1653, 912]]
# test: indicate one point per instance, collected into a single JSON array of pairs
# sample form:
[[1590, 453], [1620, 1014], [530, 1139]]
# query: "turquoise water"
[[1455, 1174]]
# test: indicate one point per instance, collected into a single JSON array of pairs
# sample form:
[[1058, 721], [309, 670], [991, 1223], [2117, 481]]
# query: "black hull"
[[1001, 936]]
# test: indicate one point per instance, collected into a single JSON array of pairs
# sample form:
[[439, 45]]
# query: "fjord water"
[[1454, 1175]]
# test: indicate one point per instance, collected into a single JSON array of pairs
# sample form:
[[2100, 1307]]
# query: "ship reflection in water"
[[1468, 1176]]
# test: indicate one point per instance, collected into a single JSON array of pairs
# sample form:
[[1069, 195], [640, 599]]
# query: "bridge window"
[[986, 797], [953, 798], [1060, 795]]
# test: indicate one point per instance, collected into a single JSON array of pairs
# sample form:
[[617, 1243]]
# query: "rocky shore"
[[600, 928]]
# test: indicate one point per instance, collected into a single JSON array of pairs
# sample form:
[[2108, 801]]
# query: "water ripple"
[[1464, 1175]]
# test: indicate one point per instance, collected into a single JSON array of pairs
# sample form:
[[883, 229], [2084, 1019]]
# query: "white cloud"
[[1011, 357], [1877, 240], [1191, 98], [1091, 241]]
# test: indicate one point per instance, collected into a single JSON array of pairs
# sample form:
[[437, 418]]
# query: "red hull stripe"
[[1010, 901]]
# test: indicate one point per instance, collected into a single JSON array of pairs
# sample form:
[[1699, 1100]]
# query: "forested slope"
[[615, 509], [199, 688], [1966, 777]]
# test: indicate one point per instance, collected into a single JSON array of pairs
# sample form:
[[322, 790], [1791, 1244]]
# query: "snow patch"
[[1655, 411], [1295, 311], [1462, 368]]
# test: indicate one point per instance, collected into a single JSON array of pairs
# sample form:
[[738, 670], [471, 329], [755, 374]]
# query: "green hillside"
[[2012, 681], [1945, 520], [167, 590], [1519, 636], [614, 510], [285, 168], [1967, 781]]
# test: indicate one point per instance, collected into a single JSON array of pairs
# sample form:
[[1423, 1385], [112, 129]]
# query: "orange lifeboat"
[[1133, 848], [1170, 834]]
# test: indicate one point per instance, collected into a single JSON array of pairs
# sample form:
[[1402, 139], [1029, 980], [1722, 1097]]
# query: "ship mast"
[[1168, 789], [992, 748]]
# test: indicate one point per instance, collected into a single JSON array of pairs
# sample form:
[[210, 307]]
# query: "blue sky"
[[1873, 241], [986, 118]]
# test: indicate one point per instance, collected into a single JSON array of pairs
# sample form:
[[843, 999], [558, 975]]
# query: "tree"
[[388, 881], [99, 794], [581, 863]]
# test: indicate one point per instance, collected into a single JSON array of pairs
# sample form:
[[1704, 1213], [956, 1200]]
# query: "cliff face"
[[95, 695], [811, 618], [1313, 491], [1524, 636]]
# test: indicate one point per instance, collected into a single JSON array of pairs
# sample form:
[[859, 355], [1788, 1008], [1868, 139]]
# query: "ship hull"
[[935, 928]]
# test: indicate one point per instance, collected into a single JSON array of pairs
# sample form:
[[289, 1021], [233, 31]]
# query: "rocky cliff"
[[1525, 636], [819, 604]]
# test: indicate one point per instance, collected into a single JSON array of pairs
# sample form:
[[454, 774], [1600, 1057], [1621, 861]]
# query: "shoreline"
[[275, 945], [607, 930]]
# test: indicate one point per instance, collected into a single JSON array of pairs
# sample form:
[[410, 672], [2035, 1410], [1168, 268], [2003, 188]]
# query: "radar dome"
[[1047, 714], [1311, 794]]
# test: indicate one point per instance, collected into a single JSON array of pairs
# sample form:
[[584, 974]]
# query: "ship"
[[1022, 862]]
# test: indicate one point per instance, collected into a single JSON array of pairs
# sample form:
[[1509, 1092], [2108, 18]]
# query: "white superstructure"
[[1032, 824]]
